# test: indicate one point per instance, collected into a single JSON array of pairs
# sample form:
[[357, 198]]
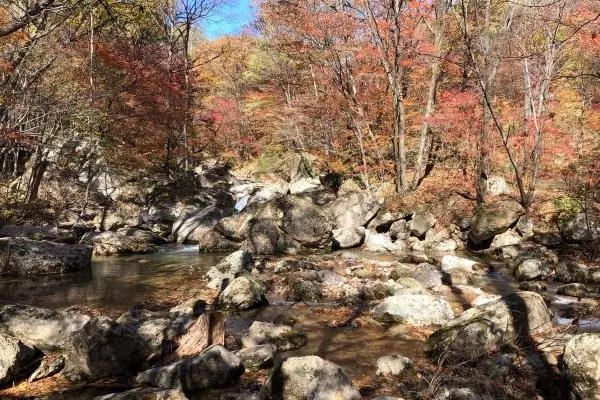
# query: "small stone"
[[392, 365]]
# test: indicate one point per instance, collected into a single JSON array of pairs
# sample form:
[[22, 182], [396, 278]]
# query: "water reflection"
[[114, 283]]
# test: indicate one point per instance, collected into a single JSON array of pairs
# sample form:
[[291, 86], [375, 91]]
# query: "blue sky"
[[230, 19]]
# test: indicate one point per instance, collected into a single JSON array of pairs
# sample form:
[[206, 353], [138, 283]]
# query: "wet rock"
[[16, 359], [50, 365], [234, 265], [103, 348], [113, 243], [579, 228], [574, 290], [414, 309], [40, 327], [532, 269], [582, 361], [145, 394], [213, 368], [508, 238], [492, 219], [533, 286], [484, 329], [243, 293], [310, 377], [450, 262], [354, 209], [260, 356], [283, 337], [421, 222], [572, 271], [346, 238], [393, 365], [20, 256]]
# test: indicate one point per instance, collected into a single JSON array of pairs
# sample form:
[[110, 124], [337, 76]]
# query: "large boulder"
[[354, 209], [414, 309], [579, 227], [16, 359], [382, 243], [346, 238], [236, 264], [243, 293], [115, 243], [103, 348], [213, 368], [582, 363], [20, 256], [260, 356], [492, 219], [283, 337], [421, 222], [40, 327], [531, 269], [197, 224], [486, 328], [570, 271], [309, 378], [146, 394]]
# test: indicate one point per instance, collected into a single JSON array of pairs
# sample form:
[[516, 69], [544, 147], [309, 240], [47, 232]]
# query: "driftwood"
[[208, 330]]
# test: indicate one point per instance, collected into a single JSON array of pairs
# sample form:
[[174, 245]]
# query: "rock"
[[457, 394], [234, 265], [291, 265], [445, 246], [308, 378], [302, 290], [213, 368], [384, 220], [16, 359], [40, 327], [304, 185], [283, 337], [579, 228], [113, 243], [582, 361], [382, 243], [492, 219], [197, 224], [50, 365], [533, 286], [531, 269], [574, 290], [243, 293], [346, 238], [427, 275], [22, 256], [421, 222], [193, 307], [142, 235], [484, 329], [393, 365], [572, 271], [525, 227], [146, 394], [508, 238], [399, 230], [260, 356], [414, 309], [497, 186], [450, 262], [455, 277], [235, 227], [103, 348], [354, 209]]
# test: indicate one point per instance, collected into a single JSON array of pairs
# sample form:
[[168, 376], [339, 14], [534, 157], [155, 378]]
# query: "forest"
[[394, 172]]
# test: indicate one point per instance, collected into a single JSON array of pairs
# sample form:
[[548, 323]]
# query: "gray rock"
[[309, 378], [197, 224], [414, 309], [574, 290], [393, 365], [525, 227], [382, 243], [22, 256], [421, 222], [50, 365], [45, 329], [146, 394], [354, 209], [582, 362], [492, 219], [283, 337], [533, 286], [243, 293], [508, 238], [451, 262], [484, 329], [457, 394], [400, 230], [16, 359], [531, 269], [569, 271], [384, 220], [113, 243], [213, 368], [579, 227], [103, 348], [234, 265], [346, 238], [496, 186], [260, 356]]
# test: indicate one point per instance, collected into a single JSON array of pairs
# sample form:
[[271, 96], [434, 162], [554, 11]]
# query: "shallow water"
[[114, 283]]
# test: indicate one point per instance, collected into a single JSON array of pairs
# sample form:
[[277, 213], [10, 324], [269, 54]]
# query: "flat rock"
[[414, 309]]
